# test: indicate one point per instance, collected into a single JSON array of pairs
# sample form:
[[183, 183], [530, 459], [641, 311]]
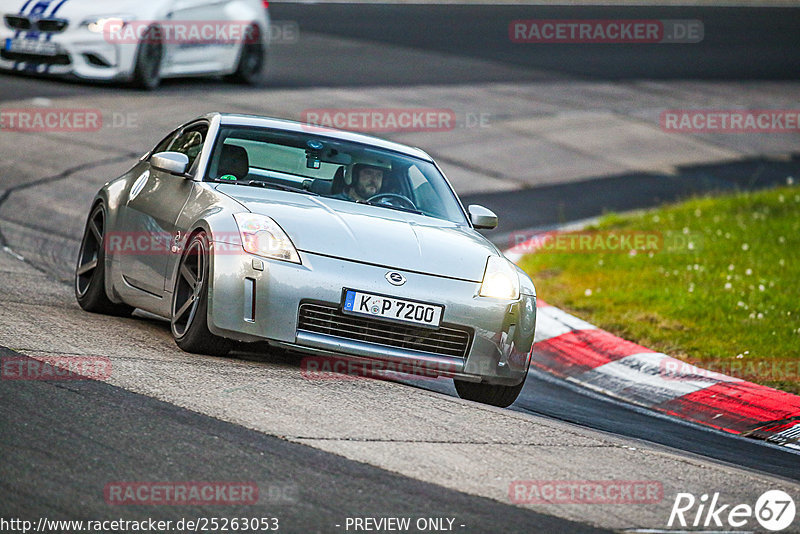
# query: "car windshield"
[[332, 168]]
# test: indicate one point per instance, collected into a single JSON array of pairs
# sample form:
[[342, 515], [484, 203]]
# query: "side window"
[[416, 177], [425, 196], [190, 142], [162, 146]]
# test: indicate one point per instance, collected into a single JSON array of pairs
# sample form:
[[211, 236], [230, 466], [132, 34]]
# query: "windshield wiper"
[[392, 207], [268, 185]]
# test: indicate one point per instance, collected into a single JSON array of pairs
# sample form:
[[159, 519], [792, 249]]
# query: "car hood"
[[370, 234]]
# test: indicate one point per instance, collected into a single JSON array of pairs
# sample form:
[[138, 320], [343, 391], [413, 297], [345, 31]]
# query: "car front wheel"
[[147, 70], [495, 395], [189, 321], [90, 273], [252, 59]]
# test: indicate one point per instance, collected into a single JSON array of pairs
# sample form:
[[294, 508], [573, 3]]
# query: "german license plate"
[[393, 309], [29, 46]]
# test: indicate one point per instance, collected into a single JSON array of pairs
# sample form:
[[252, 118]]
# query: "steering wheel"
[[403, 199]]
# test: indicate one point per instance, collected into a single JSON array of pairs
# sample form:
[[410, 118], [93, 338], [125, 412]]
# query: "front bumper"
[[80, 53], [255, 299]]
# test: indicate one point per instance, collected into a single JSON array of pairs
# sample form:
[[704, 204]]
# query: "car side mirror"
[[171, 162], [482, 217]]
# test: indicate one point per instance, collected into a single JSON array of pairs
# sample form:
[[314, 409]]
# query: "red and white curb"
[[574, 350]]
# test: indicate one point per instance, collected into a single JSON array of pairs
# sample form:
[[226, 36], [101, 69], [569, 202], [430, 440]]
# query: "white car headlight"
[[500, 280], [263, 237], [101, 23]]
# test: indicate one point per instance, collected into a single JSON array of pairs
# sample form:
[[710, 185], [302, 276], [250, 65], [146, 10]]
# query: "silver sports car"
[[331, 243]]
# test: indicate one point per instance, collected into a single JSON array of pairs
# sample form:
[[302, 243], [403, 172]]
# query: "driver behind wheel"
[[366, 182]]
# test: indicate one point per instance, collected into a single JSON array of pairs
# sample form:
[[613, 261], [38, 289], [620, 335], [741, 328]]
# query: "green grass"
[[722, 291]]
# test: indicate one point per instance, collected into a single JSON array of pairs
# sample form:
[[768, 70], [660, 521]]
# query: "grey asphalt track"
[[64, 441]]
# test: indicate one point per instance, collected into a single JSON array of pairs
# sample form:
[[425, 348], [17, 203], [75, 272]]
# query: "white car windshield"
[[332, 168]]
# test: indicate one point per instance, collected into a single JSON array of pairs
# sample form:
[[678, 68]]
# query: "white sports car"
[[131, 40]]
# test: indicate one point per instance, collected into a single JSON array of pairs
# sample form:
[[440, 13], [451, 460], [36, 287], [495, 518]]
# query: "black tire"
[[189, 318], [495, 395], [147, 72], [90, 272], [252, 60]]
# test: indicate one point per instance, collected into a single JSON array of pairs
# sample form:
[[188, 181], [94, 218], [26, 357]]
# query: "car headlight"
[[500, 280], [106, 23], [263, 237]]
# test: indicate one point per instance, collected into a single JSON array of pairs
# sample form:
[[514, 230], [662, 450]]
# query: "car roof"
[[231, 119]]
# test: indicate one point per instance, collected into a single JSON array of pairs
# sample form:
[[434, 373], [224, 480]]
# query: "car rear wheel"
[[147, 71], [495, 395], [90, 273], [189, 322], [252, 59]]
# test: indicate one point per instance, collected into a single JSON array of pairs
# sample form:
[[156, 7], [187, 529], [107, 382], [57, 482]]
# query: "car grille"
[[327, 319], [23, 23], [52, 25], [18, 23]]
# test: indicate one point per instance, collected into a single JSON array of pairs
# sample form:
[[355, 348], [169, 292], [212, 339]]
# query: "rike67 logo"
[[774, 511]]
